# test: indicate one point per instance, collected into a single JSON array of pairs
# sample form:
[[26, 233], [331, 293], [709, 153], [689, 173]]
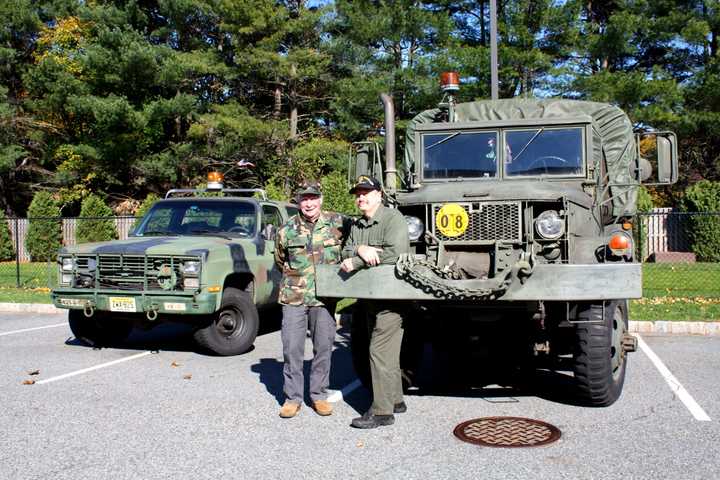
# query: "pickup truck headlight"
[[67, 264], [549, 224], [191, 268], [415, 227]]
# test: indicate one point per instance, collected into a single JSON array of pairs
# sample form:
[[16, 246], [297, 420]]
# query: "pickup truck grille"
[[130, 272], [487, 222]]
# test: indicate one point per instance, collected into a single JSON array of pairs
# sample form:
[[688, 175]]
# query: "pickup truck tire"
[[599, 359], [233, 329], [100, 330]]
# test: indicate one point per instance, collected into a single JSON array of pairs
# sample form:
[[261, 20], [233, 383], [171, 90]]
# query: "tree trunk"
[[293, 103]]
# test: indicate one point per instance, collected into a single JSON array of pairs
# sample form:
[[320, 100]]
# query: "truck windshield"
[[460, 154], [235, 218], [543, 151]]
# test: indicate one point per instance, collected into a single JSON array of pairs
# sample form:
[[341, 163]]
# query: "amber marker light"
[[619, 243], [627, 226], [450, 81], [215, 181], [214, 289]]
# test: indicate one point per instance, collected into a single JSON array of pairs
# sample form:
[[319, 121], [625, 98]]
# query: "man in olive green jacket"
[[379, 237]]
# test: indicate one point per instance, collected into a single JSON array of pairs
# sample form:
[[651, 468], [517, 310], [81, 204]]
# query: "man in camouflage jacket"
[[310, 237]]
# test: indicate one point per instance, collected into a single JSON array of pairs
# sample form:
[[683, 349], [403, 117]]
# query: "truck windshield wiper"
[[522, 150], [210, 233], [443, 140], [151, 233]]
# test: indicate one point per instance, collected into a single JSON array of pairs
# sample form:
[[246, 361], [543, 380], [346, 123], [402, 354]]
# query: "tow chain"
[[434, 281]]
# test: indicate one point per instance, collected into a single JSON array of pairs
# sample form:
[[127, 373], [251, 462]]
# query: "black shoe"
[[372, 421], [400, 408]]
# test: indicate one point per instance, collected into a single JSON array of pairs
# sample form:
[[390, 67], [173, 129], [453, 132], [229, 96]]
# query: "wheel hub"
[[228, 323]]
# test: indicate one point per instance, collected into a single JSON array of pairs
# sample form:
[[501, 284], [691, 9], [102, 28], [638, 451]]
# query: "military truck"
[[520, 214], [194, 258]]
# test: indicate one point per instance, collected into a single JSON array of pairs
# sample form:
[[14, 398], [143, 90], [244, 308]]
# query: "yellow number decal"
[[452, 220]]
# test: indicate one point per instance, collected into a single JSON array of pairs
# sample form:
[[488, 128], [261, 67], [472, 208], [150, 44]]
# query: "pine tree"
[[44, 235], [96, 223], [7, 250]]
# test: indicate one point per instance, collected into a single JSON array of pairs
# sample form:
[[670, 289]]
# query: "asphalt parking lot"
[[155, 408]]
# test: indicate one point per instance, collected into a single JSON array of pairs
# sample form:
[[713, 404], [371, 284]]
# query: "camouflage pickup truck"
[[202, 260], [520, 214]]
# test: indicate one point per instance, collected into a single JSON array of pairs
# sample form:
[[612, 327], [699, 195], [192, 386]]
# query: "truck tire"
[[599, 359], [234, 327], [100, 330]]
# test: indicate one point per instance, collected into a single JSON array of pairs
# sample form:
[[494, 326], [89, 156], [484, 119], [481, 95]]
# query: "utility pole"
[[493, 51]]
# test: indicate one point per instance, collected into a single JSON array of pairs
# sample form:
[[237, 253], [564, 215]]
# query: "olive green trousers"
[[385, 325]]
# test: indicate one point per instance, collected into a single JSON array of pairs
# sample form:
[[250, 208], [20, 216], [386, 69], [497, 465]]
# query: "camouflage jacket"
[[299, 246]]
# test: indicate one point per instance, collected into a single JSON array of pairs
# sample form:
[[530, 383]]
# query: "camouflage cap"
[[367, 183], [308, 187]]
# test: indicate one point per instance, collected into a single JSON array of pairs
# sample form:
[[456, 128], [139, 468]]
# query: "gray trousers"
[[297, 319], [386, 333]]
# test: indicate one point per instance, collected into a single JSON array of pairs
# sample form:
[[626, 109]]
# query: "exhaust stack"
[[390, 167]]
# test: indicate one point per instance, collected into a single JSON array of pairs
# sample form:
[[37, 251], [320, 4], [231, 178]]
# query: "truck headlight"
[[549, 224], [191, 268], [67, 264], [415, 227]]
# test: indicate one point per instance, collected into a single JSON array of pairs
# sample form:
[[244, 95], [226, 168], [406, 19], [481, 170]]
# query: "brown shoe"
[[289, 409], [322, 407]]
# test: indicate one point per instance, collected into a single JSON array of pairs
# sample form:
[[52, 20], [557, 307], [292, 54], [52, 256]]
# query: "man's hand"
[[369, 254], [346, 265]]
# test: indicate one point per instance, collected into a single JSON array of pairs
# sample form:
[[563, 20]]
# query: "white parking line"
[[337, 395], [31, 329], [695, 409], [96, 367]]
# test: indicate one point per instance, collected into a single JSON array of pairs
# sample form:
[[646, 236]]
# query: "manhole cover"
[[507, 432]]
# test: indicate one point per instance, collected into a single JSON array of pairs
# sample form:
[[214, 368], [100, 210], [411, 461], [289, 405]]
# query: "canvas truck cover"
[[609, 124]]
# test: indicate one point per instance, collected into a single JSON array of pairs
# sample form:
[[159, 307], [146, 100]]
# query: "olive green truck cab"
[[206, 261], [520, 215]]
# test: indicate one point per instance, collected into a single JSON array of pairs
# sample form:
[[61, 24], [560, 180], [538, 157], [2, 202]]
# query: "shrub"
[[336, 196], [7, 249], [96, 223], [704, 196], [44, 235]]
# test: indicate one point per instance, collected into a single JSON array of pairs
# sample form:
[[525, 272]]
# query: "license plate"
[[174, 307], [72, 302], [122, 304]]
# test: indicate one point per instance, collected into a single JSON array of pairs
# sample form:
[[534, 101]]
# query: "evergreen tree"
[[44, 235], [7, 249], [96, 223]]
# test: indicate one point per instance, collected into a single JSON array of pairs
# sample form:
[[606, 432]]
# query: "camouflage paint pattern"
[[299, 247], [220, 258]]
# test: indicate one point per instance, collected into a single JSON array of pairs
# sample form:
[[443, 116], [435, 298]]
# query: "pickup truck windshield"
[[232, 218], [460, 154], [541, 151]]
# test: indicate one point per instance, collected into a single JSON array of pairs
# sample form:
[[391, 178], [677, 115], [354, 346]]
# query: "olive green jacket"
[[387, 229]]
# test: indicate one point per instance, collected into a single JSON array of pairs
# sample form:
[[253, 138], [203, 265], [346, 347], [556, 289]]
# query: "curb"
[[636, 326]]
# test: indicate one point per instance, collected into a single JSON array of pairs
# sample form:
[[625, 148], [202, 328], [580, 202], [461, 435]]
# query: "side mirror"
[[364, 160], [657, 158]]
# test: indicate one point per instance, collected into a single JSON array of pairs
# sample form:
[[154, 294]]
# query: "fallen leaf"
[[34, 372], [28, 382], [360, 444], [187, 376], [174, 364]]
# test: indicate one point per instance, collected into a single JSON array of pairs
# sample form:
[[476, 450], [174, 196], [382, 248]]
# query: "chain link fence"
[[28, 247], [680, 251]]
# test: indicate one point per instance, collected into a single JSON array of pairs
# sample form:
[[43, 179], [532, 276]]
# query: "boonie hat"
[[366, 183], [309, 187]]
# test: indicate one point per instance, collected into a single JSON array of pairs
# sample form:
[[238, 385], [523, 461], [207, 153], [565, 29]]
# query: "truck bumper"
[[128, 302], [548, 282]]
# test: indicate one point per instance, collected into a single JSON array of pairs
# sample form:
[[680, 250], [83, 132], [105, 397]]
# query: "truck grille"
[[128, 272], [487, 222]]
